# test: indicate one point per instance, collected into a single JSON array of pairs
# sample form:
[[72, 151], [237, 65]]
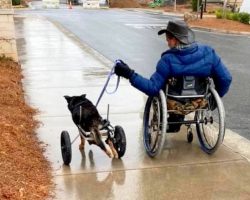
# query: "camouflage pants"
[[186, 108]]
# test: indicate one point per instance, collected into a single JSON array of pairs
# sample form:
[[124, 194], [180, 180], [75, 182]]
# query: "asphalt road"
[[132, 36]]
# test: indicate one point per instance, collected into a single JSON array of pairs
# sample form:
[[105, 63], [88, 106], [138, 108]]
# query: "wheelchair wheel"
[[211, 132], [120, 141], [66, 147], [154, 124]]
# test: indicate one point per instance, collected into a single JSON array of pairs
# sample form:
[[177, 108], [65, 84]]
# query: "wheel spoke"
[[153, 117]]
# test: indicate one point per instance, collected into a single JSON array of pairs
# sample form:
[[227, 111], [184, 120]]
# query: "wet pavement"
[[55, 64], [131, 35]]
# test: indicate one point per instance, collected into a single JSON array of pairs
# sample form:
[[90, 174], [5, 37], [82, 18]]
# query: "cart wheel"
[[190, 137], [120, 141], [66, 147]]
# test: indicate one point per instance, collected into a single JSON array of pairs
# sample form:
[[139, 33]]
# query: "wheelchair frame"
[[155, 122]]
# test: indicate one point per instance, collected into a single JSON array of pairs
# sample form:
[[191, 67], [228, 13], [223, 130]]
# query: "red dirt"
[[124, 4], [24, 172], [221, 24]]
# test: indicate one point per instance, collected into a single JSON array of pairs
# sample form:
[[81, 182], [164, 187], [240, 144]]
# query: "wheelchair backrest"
[[187, 86]]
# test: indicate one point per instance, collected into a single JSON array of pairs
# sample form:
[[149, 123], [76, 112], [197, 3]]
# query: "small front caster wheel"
[[190, 136], [66, 147]]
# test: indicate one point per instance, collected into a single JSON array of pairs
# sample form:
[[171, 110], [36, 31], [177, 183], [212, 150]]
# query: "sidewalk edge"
[[237, 144]]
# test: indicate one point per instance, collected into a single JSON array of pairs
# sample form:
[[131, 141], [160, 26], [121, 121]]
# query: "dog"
[[85, 116]]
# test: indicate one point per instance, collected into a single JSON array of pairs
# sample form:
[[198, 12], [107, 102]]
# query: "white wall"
[[245, 7]]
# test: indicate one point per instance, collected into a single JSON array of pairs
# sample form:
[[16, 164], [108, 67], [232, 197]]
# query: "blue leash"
[[111, 73]]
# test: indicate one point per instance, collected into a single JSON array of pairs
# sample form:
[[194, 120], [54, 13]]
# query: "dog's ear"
[[68, 98], [83, 96]]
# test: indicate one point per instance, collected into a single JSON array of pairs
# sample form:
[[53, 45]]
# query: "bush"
[[229, 15], [16, 2], [194, 5], [244, 17], [218, 14], [155, 3], [235, 16]]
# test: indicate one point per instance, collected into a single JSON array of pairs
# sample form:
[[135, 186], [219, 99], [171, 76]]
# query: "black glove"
[[122, 69]]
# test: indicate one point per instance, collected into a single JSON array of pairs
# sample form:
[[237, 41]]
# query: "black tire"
[[120, 141], [154, 124], [211, 133], [66, 148]]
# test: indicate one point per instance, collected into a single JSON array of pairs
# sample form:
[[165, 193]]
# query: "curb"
[[157, 12], [237, 144], [220, 30]]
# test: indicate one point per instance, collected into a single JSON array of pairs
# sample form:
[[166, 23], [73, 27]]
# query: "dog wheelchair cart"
[[190, 95], [115, 134]]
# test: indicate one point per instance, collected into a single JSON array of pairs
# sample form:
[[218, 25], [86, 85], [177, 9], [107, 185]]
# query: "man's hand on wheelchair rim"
[[122, 69]]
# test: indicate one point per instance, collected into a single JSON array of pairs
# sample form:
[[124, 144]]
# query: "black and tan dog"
[[86, 117]]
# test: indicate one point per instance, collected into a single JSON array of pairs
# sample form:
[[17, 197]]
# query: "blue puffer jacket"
[[197, 60]]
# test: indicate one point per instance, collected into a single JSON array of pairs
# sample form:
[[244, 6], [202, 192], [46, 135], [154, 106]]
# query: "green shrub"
[[218, 14], [235, 16], [155, 3], [229, 15], [194, 5], [244, 17], [151, 5], [241, 17], [16, 2]]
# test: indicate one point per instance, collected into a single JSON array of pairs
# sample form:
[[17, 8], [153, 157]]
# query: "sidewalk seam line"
[[156, 167]]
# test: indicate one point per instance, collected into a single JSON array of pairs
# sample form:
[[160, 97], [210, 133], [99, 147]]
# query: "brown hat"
[[180, 30]]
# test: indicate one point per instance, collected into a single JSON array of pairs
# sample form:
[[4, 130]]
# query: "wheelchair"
[[198, 103]]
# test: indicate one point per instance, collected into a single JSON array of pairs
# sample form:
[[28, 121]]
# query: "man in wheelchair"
[[184, 58]]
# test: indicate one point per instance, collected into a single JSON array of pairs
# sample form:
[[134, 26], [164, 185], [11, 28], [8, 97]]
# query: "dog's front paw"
[[116, 154], [109, 153]]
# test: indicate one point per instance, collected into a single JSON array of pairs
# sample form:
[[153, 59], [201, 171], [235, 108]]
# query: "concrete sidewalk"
[[56, 64]]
